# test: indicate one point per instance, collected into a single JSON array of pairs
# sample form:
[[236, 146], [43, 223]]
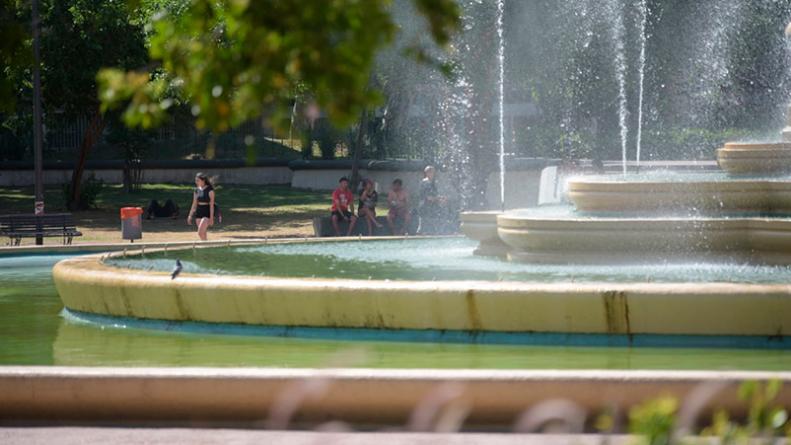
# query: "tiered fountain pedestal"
[[752, 158], [615, 220], [482, 227], [697, 194], [563, 240], [744, 158]]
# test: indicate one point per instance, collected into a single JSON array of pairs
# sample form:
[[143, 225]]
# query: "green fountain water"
[[433, 260]]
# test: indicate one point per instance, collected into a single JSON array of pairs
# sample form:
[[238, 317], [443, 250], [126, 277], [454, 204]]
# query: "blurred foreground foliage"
[[657, 422], [236, 60]]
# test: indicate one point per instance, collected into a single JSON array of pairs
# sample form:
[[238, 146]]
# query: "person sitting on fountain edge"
[[398, 202], [366, 209], [343, 207]]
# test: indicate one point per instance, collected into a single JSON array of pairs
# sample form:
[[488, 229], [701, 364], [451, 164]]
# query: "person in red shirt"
[[343, 207]]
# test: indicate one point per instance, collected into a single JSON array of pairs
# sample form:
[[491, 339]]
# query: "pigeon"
[[176, 270]]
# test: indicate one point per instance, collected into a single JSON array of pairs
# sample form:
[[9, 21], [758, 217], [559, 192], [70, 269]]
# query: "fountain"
[[657, 259], [654, 259]]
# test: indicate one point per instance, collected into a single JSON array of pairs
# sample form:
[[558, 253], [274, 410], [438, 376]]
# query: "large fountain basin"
[[698, 194], [755, 158], [475, 309]]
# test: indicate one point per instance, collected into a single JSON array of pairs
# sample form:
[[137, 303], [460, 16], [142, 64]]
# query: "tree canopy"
[[13, 52], [78, 38]]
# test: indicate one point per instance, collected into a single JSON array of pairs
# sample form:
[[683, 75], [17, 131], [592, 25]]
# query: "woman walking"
[[202, 205]]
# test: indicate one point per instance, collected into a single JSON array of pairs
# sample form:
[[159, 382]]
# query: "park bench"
[[16, 227]]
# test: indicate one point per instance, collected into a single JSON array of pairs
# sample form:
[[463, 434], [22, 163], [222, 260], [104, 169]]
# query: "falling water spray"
[[501, 96], [643, 9], [618, 32]]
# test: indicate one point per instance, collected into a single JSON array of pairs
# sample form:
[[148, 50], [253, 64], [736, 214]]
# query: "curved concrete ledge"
[[246, 396], [86, 284], [482, 227], [223, 436], [591, 240], [700, 197], [747, 157]]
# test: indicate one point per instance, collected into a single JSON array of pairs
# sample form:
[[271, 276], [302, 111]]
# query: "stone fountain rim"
[[87, 285]]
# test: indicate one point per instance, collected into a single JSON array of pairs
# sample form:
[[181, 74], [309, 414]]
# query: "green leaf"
[[779, 418]]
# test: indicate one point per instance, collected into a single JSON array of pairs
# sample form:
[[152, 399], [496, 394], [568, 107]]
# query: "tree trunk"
[[358, 149], [89, 138]]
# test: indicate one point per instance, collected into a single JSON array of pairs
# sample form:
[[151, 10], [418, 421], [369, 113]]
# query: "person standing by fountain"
[[398, 202], [432, 205], [203, 208], [343, 207], [367, 207]]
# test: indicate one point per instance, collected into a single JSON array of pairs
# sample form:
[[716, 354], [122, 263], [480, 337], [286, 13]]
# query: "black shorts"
[[202, 211], [360, 209], [342, 214]]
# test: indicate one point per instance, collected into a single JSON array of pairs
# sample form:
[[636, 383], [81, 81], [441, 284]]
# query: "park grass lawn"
[[249, 211]]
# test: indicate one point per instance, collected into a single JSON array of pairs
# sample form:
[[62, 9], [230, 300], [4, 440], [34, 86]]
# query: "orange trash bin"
[[131, 223]]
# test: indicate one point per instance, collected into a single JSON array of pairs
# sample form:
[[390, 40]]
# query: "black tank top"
[[203, 195], [373, 197]]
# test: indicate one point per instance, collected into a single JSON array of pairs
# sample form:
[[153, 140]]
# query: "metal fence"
[[175, 139]]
